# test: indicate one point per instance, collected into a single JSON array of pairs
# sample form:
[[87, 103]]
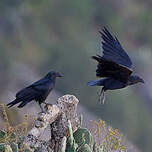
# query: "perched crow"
[[114, 66], [38, 91]]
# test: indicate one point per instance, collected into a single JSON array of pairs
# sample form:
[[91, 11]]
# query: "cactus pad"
[[82, 136]]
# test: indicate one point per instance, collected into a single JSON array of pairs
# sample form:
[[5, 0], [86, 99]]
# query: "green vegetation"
[[81, 140], [11, 138]]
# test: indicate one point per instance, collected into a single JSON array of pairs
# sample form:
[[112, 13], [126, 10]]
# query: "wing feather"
[[107, 68], [113, 51]]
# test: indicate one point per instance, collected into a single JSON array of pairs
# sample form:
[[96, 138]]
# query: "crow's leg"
[[42, 110], [102, 96]]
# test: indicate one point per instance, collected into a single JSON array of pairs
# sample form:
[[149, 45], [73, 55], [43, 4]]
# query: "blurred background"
[[37, 36]]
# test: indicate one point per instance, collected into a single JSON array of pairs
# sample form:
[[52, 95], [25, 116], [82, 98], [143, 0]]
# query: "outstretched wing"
[[113, 51], [107, 68]]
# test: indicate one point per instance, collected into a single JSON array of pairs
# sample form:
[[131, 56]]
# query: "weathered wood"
[[57, 117], [68, 106]]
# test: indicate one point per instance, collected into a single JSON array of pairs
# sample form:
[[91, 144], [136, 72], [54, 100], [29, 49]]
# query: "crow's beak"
[[142, 81], [59, 75]]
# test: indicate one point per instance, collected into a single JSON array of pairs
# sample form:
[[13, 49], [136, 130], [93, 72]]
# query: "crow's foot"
[[47, 103]]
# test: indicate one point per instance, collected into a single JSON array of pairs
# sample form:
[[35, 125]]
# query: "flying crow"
[[114, 66]]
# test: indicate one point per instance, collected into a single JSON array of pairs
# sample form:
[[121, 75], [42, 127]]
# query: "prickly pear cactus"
[[14, 147], [82, 136], [2, 135], [85, 148], [2, 147], [98, 148], [63, 144], [79, 141], [9, 142], [71, 144]]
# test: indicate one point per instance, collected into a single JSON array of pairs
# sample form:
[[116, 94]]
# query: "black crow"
[[38, 91], [114, 66]]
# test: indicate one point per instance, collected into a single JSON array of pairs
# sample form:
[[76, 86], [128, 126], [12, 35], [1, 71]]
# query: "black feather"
[[114, 66], [112, 49]]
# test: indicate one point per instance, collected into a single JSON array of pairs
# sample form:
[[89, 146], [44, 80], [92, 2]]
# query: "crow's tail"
[[96, 82], [13, 103], [23, 103]]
